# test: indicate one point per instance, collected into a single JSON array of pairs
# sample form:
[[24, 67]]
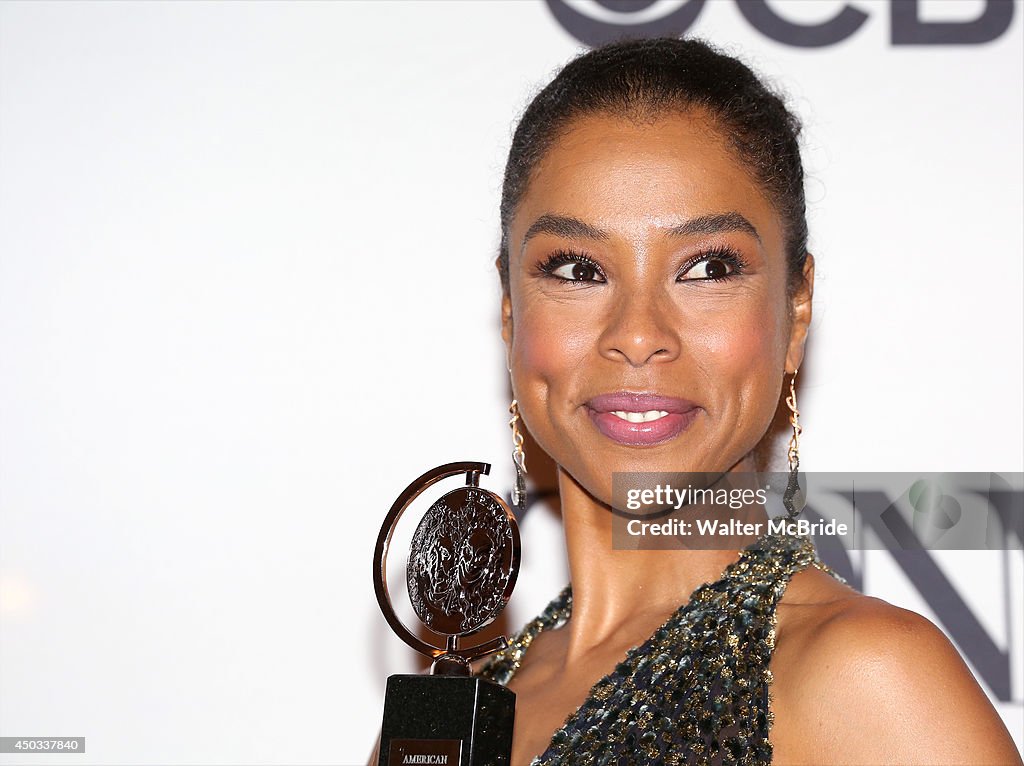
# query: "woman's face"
[[647, 320]]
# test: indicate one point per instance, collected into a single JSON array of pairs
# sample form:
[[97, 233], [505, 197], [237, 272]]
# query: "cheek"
[[546, 343], [551, 344], [741, 342], [743, 356]]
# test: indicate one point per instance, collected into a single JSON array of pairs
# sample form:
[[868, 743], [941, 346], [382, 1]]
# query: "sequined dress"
[[697, 691]]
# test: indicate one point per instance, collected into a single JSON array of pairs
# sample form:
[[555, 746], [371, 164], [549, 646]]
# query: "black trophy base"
[[448, 720]]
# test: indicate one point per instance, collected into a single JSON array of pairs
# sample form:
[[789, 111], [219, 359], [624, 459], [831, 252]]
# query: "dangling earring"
[[519, 458], [793, 498]]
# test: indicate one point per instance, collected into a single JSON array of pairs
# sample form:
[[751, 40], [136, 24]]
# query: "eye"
[[716, 266], [575, 272], [570, 266]]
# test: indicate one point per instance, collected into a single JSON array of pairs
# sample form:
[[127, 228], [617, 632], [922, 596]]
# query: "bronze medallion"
[[462, 562]]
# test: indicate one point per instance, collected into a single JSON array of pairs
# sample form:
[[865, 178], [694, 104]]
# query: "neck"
[[614, 589]]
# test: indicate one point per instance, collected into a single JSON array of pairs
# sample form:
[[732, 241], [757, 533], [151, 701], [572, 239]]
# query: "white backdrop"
[[247, 295]]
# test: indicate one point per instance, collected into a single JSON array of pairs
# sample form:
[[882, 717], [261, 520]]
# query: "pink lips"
[[680, 414]]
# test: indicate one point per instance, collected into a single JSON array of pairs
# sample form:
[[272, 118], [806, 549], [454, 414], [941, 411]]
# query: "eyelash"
[[722, 253]]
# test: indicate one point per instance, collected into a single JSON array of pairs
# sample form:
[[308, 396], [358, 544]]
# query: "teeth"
[[640, 417]]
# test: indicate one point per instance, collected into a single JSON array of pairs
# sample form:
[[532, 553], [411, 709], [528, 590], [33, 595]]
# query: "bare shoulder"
[[859, 680]]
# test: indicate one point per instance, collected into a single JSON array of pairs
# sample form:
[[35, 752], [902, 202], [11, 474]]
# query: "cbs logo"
[[608, 20]]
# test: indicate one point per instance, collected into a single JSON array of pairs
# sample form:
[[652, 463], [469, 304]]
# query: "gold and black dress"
[[695, 692]]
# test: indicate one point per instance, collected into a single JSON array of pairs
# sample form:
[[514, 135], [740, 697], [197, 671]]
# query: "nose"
[[640, 330]]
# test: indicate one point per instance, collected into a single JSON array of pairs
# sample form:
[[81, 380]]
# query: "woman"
[[653, 261]]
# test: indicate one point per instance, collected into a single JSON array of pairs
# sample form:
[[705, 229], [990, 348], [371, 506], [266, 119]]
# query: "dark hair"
[[640, 79]]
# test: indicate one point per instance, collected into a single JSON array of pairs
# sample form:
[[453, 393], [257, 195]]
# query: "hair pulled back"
[[640, 79]]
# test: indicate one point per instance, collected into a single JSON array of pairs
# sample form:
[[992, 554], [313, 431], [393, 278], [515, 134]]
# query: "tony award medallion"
[[463, 563]]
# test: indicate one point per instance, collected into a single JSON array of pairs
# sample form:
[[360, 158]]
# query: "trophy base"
[[447, 720]]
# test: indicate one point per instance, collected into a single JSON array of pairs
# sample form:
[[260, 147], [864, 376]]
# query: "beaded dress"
[[695, 692]]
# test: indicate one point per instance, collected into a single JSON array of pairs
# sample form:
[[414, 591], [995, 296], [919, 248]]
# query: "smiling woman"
[[657, 295], [671, 297]]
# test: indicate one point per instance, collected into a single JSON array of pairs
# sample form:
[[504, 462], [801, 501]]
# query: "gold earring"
[[794, 420], [793, 497], [518, 458]]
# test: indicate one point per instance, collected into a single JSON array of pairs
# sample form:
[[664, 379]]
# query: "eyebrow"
[[573, 228]]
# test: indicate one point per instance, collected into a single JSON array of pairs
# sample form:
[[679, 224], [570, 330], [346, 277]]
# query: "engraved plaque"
[[425, 751]]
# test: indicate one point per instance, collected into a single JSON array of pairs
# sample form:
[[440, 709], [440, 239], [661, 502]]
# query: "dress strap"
[[756, 584], [504, 664], [773, 559]]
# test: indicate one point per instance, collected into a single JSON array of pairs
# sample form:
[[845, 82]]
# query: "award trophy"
[[463, 563]]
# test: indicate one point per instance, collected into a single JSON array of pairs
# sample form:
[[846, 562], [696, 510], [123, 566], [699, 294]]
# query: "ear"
[[800, 311], [506, 312], [506, 319]]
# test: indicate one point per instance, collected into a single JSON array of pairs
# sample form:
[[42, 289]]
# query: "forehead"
[[633, 177]]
